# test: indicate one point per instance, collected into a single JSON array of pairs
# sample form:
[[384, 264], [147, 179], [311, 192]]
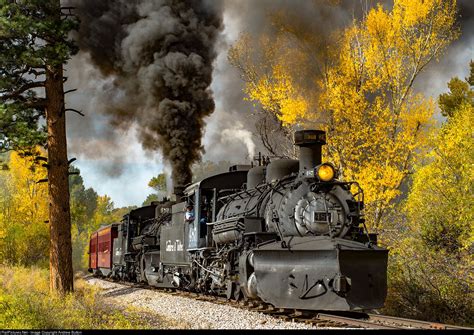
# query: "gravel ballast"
[[190, 313]]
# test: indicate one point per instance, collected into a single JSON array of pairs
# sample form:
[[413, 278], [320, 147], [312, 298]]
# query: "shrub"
[[429, 285]]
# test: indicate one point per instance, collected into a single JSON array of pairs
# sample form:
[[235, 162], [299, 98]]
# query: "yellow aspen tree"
[[430, 272], [279, 67], [376, 122], [271, 83], [26, 234], [440, 204]]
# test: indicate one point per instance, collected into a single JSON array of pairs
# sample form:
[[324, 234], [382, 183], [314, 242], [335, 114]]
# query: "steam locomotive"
[[289, 233]]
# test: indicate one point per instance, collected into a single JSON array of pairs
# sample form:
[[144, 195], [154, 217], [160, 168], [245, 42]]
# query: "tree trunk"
[[60, 263]]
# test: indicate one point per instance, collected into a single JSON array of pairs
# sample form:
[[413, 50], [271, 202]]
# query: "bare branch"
[[70, 91], [74, 110], [41, 158]]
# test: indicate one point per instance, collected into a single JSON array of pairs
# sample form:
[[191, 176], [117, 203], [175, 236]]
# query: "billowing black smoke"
[[160, 55]]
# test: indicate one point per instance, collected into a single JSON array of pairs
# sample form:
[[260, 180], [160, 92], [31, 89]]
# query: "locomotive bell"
[[310, 143]]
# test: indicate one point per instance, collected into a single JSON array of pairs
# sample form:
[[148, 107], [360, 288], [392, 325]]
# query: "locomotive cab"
[[181, 240], [203, 202], [204, 196]]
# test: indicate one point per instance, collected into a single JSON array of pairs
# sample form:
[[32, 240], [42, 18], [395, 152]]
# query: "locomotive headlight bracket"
[[325, 172]]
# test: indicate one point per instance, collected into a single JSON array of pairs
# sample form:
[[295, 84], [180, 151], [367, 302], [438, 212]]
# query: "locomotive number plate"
[[322, 217]]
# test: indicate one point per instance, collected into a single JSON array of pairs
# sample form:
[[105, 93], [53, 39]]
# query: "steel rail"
[[353, 321], [410, 323]]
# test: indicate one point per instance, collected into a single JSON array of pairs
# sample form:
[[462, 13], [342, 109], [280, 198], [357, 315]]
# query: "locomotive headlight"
[[326, 172]]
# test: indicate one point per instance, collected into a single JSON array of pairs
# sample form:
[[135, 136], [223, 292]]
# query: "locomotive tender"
[[289, 233]]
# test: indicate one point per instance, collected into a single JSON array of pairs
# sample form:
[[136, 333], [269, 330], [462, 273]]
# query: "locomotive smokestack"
[[310, 143]]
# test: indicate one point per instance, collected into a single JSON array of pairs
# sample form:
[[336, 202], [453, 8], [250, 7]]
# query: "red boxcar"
[[101, 249]]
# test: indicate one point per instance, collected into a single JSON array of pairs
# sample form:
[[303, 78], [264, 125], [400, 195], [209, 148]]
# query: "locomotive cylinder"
[[310, 143]]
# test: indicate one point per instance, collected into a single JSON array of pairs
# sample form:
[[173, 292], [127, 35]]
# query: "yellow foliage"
[[276, 93], [430, 270], [24, 235], [440, 204], [273, 82], [377, 123], [24, 232]]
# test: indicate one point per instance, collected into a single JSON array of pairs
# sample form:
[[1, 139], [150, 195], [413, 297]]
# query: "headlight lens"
[[326, 172]]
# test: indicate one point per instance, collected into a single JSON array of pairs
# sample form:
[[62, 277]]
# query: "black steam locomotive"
[[289, 233]]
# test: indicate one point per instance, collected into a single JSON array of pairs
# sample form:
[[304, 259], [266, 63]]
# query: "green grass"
[[26, 303]]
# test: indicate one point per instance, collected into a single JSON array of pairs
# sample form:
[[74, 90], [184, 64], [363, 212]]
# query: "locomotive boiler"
[[290, 233]]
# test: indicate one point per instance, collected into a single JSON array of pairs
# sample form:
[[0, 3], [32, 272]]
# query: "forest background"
[[415, 167]]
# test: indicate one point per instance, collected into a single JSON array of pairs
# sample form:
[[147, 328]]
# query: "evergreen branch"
[[22, 89], [36, 73], [36, 103]]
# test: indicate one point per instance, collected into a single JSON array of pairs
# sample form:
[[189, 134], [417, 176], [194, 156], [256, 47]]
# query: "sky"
[[112, 160]]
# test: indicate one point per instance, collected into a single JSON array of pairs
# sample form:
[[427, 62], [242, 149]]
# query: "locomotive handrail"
[[361, 193], [233, 196], [234, 218]]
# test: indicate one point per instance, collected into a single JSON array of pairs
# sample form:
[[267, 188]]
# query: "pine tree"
[[34, 46]]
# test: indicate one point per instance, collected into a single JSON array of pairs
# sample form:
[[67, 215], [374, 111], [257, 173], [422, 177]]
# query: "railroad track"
[[326, 319]]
